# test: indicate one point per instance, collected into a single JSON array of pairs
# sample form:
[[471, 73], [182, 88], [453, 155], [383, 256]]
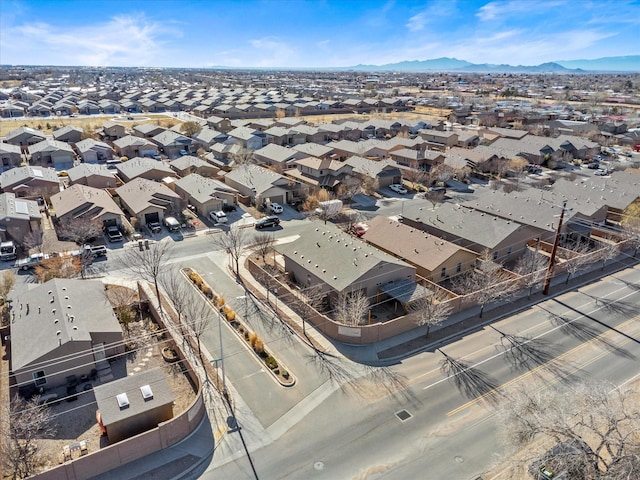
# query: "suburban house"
[[262, 185], [248, 138], [147, 130], [61, 328], [134, 404], [81, 201], [381, 172], [189, 164], [92, 175], [326, 256], [218, 123], [323, 173], [206, 137], [148, 201], [438, 140], [93, 151], [130, 147], [434, 258], [30, 182], [113, 131], [18, 217], [144, 168], [205, 194], [24, 137], [539, 150], [172, 143], [68, 134], [504, 239], [277, 155], [52, 152], [417, 159], [10, 155], [314, 150]]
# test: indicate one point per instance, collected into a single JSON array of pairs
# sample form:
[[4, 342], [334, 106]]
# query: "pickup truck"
[[31, 261], [96, 250]]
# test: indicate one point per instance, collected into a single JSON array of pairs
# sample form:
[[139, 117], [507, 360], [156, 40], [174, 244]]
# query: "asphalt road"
[[356, 434]]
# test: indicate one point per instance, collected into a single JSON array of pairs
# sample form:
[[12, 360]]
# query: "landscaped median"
[[253, 341]]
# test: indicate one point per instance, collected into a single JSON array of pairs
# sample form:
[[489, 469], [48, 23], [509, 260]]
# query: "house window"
[[495, 255], [443, 272], [459, 268], [39, 378]]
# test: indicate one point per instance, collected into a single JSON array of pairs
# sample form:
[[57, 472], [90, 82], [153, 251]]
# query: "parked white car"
[[396, 187], [276, 208]]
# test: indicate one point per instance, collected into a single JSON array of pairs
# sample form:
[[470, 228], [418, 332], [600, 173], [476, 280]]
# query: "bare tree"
[[122, 300], [348, 187], [348, 219], [7, 282], [578, 261], [415, 174], [148, 262], [263, 244], [430, 311], [352, 308], [235, 241], [435, 197], [23, 424], [608, 252], [178, 292], [487, 283], [81, 230], [243, 157], [199, 315], [532, 266], [35, 240], [631, 231], [190, 128], [601, 423]]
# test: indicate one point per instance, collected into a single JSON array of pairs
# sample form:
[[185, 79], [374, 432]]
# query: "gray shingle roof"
[[335, 257], [34, 334]]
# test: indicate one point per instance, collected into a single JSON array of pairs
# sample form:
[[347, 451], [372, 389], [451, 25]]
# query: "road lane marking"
[[573, 369], [572, 310]]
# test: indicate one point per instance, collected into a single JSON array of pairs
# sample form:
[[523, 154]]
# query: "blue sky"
[[306, 34]]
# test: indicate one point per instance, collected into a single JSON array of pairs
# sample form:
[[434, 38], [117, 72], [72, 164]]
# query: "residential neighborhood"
[[369, 218]]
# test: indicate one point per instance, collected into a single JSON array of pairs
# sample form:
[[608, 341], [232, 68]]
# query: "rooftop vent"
[[147, 394], [123, 400]]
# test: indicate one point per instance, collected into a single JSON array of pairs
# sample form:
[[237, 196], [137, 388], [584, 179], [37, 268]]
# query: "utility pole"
[[552, 259]]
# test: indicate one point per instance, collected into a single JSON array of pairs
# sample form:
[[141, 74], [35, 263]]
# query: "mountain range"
[[626, 64]]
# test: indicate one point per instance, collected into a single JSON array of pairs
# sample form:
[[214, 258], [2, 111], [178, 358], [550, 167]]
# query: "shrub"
[[253, 337], [285, 374], [271, 362], [258, 346], [207, 291], [231, 315], [276, 371], [241, 330], [220, 302]]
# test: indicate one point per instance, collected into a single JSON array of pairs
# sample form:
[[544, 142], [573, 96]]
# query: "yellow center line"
[[574, 350]]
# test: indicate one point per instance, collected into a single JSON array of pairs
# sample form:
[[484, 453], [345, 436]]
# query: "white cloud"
[[437, 11], [121, 41], [502, 9]]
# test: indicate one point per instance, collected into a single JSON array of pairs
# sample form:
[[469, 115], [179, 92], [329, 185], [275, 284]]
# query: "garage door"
[[110, 222], [149, 153], [277, 199], [151, 217]]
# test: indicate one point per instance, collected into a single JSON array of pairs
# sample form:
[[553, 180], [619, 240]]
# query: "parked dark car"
[[266, 222]]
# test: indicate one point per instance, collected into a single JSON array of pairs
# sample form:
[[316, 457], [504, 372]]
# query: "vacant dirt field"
[[48, 124]]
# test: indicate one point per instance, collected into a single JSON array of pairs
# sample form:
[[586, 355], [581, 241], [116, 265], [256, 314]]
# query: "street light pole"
[[275, 294], [224, 382], [552, 259]]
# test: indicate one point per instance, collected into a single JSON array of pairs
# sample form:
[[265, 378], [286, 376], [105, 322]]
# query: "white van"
[[172, 224], [218, 217]]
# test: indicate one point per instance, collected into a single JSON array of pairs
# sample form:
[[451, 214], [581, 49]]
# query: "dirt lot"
[[76, 420], [48, 124]]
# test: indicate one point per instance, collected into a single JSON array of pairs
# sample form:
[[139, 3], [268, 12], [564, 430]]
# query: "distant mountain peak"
[[630, 63]]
